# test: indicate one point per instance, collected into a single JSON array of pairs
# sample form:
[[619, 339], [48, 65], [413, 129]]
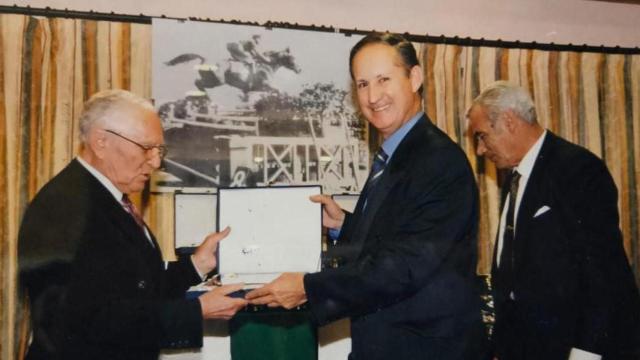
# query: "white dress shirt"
[[524, 169]]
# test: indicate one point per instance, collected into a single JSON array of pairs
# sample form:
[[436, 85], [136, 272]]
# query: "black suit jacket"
[[573, 284], [97, 287], [409, 290]]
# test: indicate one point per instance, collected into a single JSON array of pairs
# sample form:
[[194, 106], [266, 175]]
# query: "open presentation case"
[[273, 230]]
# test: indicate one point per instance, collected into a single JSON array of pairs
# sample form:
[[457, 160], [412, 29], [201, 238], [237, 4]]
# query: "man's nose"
[[480, 148], [155, 160], [373, 94]]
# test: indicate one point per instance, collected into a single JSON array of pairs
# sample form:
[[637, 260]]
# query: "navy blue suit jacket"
[[410, 282], [573, 284]]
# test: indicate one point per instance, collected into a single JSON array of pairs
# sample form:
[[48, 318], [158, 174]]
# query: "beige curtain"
[[591, 99], [50, 66]]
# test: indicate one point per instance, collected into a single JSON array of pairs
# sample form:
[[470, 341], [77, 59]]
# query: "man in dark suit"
[[91, 268], [563, 288], [409, 287]]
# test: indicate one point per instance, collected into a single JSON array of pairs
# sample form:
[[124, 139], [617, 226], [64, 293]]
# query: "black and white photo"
[[250, 106]]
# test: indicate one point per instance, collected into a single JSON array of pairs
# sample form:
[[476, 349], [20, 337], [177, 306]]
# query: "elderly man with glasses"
[[91, 267]]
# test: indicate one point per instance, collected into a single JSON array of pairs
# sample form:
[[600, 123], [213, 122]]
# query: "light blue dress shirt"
[[389, 146]]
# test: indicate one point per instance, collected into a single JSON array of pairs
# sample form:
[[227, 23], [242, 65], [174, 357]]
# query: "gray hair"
[[502, 96], [101, 104]]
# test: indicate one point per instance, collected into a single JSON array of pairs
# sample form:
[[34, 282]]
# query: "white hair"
[[502, 96], [101, 104]]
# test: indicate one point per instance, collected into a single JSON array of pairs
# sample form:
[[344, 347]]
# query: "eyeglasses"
[[162, 149]]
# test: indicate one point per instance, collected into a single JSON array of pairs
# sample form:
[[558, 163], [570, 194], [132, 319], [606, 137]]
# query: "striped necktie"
[[377, 169], [132, 210], [135, 214]]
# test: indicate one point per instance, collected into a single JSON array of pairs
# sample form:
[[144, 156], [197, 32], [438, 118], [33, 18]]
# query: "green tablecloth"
[[273, 334]]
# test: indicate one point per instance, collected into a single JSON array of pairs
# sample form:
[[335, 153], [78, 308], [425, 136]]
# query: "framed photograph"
[[247, 106]]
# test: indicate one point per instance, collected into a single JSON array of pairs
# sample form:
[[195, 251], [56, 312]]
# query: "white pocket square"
[[541, 211]]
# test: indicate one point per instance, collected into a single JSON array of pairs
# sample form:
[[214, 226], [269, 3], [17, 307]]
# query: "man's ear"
[[416, 77], [511, 121], [97, 142]]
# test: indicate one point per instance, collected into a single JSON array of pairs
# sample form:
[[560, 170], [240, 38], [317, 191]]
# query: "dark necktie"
[[132, 210], [507, 257], [377, 168]]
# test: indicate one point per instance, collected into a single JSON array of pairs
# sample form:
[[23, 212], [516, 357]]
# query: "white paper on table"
[[273, 230]]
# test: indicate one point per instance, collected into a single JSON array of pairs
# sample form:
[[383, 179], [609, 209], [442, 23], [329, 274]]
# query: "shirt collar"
[[117, 194], [391, 143], [526, 164]]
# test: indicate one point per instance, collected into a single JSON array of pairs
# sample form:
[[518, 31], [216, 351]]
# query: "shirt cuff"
[[334, 234], [202, 277], [577, 354]]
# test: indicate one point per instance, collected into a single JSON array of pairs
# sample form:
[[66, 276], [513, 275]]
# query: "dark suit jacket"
[[97, 287], [573, 284], [409, 291]]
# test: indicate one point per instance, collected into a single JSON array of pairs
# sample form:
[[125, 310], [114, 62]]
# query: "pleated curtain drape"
[[50, 66]]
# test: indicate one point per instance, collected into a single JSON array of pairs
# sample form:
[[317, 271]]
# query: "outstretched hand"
[[216, 304], [286, 291], [204, 258]]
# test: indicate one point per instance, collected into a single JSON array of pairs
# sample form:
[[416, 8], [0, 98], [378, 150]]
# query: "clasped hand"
[[286, 291], [215, 304]]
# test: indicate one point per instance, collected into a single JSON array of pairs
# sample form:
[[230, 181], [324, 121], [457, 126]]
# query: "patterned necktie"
[[507, 257], [132, 210], [377, 168]]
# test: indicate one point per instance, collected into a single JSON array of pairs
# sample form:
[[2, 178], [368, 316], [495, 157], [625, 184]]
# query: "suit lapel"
[[534, 196], [503, 198], [393, 173], [374, 201], [134, 234], [113, 209]]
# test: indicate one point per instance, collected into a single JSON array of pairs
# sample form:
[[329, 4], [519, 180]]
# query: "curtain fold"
[[50, 66], [12, 38]]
